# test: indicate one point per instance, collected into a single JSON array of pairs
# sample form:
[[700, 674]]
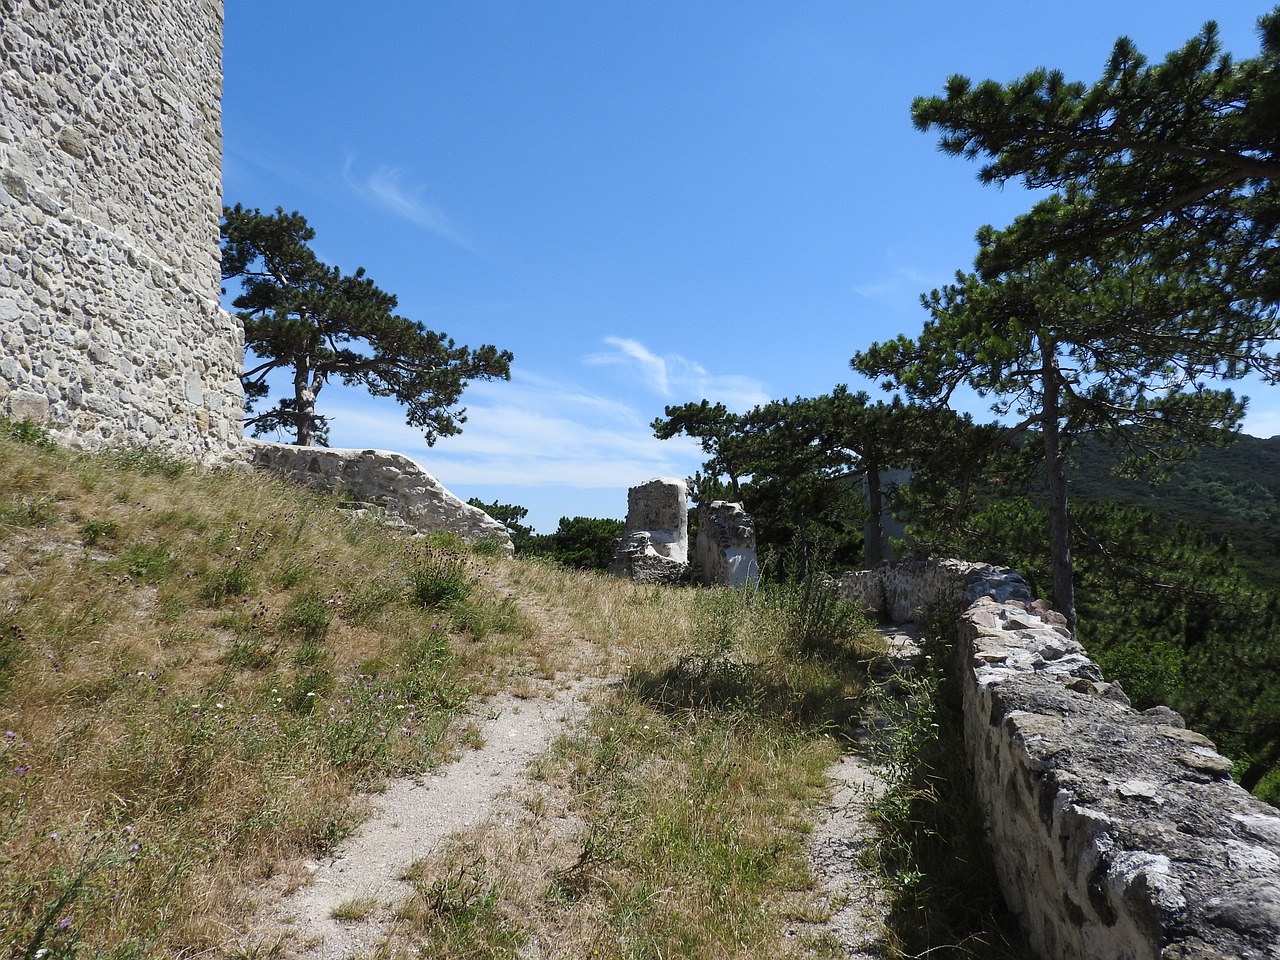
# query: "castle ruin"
[[1117, 833], [110, 196]]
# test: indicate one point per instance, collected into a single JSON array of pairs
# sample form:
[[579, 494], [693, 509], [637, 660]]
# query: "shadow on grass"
[[823, 693]]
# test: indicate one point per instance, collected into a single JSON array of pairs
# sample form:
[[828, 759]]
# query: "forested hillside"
[[1231, 492]]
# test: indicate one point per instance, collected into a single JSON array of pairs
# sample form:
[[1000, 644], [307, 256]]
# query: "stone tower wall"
[[110, 194]]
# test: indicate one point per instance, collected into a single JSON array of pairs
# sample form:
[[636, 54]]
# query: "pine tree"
[[309, 318]]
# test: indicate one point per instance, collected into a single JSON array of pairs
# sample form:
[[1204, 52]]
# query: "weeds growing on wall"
[[931, 845], [197, 673]]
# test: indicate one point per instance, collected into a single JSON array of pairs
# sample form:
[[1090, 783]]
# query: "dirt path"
[[415, 817], [839, 846]]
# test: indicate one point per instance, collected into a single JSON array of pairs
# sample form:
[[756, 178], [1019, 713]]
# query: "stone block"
[[660, 507], [25, 405], [725, 550], [655, 547]]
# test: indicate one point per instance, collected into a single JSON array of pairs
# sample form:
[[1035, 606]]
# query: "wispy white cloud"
[[386, 187], [672, 376], [898, 287], [652, 368], [557, 446], [533, 431]]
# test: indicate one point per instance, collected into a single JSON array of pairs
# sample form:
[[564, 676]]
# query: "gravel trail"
[[415, 817]]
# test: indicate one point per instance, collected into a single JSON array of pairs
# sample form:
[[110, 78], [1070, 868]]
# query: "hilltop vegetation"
[[1230, 492], [201, 674], [1176, 583]]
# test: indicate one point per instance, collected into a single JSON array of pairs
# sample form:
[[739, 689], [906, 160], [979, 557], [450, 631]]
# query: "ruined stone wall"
[[389, 481], [904, 592], [1116, 833], [110, 194]]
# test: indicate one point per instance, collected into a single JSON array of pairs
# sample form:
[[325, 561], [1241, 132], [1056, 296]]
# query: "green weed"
[[92, 532], [26, 432], [146, 562], [147, 461], [931, 841], [441, 581], [28, 510], [225, 582], [458, 912], [308, 617]]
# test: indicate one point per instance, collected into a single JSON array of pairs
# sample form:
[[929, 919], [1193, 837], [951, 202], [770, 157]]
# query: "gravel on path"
[[413, 818]]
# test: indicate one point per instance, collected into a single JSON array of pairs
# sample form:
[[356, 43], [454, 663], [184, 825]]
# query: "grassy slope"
[[197, 673], [200, 673]]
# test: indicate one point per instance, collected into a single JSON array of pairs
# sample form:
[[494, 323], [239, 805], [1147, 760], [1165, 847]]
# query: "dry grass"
[[198, 673], [673, 822]]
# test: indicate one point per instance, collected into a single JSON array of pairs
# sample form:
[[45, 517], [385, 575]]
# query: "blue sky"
[[647, 203]]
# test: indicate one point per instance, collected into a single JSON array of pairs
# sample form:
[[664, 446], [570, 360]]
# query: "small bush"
[[488, 547], [813, 618], [93, 531], [442, 581]]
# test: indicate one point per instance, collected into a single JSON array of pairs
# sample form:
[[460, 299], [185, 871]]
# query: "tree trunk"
[[1260, 766], [1064, 599], [304, 402], [873, 549]]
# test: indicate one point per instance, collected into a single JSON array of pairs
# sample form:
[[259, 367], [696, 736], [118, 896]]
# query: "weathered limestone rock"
[[390, 481], [655, 547], [636, 558], [726, 547], [110, 193]]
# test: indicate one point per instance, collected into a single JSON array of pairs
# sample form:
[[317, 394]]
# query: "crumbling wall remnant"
[[725, 550], [655, 544]]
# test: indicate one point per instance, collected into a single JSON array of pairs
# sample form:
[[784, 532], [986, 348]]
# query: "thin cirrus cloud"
[[531, 431], [899, 288], [386, 187], [672, 376]]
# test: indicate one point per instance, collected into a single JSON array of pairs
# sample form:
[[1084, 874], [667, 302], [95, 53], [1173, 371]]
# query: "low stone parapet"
[[901, 592], [387, 480], [1116, 833]]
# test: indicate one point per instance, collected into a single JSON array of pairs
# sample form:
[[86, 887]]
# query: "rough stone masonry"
[[110, 193], [1116, 833]]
